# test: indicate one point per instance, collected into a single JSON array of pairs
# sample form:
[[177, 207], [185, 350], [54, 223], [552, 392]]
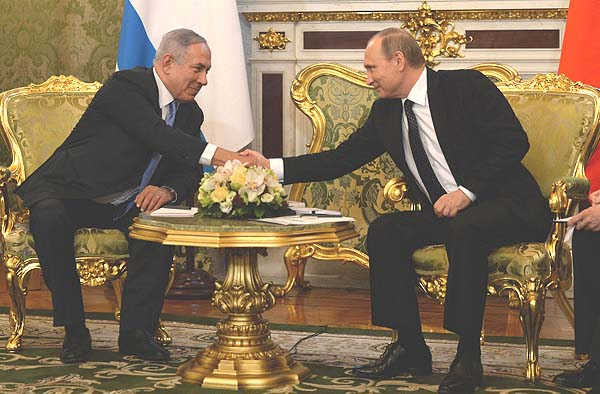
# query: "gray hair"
[[176, 43], [394, 39]]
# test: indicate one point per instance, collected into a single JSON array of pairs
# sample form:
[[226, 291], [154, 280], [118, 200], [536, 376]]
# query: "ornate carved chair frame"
[[528, 293], [94, 267]]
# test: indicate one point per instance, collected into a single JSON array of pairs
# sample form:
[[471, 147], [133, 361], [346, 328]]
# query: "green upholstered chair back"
[[36, 119], [558, 117], [337, 101]]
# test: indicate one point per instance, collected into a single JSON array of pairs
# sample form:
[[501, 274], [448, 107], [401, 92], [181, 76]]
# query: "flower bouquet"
[[236, 191]]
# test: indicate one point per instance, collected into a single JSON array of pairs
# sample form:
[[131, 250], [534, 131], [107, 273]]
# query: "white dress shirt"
[[441, 169]]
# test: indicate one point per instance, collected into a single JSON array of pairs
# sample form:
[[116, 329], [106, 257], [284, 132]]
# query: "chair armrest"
[[7, 218], [566, 190], [396, 192], [5, 175]]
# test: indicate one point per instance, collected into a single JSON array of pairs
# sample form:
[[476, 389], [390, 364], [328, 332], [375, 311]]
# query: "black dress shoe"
[[397, 360], [76, 347], [586, 376], [464, 377], [141, 343]]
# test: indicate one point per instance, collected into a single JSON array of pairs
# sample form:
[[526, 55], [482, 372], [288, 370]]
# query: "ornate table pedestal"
[[243, 356]]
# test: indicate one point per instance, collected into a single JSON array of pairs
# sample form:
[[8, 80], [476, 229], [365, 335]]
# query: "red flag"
[[580, 56], [580, 60]]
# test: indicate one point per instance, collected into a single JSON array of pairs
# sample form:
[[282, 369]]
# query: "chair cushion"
[[89, 242], [523, 260]]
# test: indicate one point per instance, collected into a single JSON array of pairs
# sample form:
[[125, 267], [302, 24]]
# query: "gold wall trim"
[[455, 15]]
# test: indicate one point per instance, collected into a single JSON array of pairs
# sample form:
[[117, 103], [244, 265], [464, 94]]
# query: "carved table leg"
[[243, 356]]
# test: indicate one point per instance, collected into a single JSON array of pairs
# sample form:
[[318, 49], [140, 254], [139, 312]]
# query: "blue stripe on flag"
[[135, 48]]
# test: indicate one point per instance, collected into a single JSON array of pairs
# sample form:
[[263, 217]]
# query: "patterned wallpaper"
[[40, 38]]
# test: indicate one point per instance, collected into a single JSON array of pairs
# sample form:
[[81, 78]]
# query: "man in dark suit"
[[459, 144], [136, 148], [586, 271]]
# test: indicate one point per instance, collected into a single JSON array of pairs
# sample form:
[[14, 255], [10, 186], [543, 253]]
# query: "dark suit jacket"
[[111, 145], [479, 134]]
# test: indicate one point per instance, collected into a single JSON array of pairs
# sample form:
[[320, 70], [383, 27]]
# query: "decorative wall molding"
[[382, 16]]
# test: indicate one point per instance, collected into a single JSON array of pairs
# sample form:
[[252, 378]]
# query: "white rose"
[[267, 198]]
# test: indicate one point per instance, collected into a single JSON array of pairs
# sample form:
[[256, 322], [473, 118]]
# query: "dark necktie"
[[434, 189], [149, 171]]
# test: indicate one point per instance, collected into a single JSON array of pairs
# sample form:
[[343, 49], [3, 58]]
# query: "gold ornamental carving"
[[95, 272], [548, 82], [436, 36], [434, 287], [272, 40], [358, 16], [238, 300]]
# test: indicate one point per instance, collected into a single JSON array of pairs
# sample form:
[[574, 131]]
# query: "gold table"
[[243, 356]]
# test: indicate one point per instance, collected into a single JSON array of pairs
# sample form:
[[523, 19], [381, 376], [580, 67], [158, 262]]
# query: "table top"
[[220, 233]]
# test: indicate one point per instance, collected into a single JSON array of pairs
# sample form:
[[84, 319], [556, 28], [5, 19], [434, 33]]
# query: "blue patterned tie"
[[149, 171], [432, 184]]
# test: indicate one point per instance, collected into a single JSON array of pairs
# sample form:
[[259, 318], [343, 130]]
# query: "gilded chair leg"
[[16, 315], [565, 306], [16, 281], [513, 300], [532, 317], [161, 335], [118, 289]]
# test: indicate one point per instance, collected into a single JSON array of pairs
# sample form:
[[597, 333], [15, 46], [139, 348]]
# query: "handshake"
[[248, 157]]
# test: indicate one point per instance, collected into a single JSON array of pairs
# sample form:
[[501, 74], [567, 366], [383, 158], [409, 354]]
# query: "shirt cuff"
[[277, 167], [468, 193], [172, 191], [207, 155]]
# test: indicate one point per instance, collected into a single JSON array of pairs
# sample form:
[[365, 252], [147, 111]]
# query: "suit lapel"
[[393, 132], [440, 108]]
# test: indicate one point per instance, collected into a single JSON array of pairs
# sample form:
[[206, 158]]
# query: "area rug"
[[329, 355]]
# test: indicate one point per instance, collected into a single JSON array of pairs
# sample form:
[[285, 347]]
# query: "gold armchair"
[[561, 119], [34, 121]]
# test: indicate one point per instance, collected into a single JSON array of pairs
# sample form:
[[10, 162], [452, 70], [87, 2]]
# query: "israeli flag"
[[226, 99]]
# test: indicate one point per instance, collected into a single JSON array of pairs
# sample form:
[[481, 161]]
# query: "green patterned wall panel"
[[40, 38]]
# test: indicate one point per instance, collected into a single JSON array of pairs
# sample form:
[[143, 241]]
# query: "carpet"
[[37, 369]]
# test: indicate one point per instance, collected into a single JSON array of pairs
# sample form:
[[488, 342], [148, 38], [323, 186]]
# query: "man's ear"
[[399, 59], [167, 62]]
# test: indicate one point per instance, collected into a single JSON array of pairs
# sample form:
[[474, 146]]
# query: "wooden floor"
[[330, 307]]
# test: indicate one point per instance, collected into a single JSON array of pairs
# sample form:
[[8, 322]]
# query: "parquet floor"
[[331, 307]]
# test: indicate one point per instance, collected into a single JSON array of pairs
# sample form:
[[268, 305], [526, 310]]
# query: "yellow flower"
[[239, 176], [219, 194]]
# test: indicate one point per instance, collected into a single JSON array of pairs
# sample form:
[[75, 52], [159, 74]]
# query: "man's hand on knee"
[[450, 204]]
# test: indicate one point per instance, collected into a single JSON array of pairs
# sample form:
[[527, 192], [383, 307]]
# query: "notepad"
[[175, 211]]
